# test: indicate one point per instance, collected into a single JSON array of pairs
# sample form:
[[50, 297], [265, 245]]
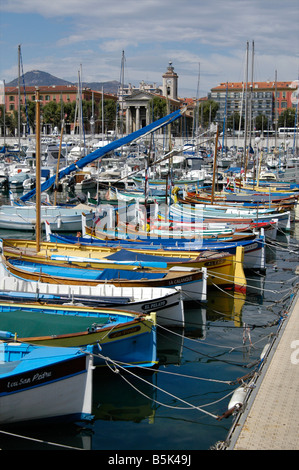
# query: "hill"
[[39, 78]]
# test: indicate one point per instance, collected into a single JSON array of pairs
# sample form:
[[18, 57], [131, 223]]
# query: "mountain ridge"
[[40, 78]]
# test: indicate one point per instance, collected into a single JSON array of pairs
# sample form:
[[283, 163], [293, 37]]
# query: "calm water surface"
[[176, 407]]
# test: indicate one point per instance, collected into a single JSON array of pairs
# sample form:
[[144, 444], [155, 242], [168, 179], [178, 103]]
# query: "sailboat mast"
[[103, 121], [214, 165], [4, 112], [38, 171], [19, 98], [122, 79], [276, 111], [246, 112]]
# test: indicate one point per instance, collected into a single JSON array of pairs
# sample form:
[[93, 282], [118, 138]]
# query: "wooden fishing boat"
[[222, 268], [274, 188], [118, 334], [239, 227], [40, 384], [60, 218], [191, 280], [254, 248], [131, 195], [197, 212], [167, 303], [261, 200], [129, 231]]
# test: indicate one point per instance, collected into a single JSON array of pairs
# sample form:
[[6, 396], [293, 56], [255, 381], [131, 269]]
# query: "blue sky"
[[205, 40]]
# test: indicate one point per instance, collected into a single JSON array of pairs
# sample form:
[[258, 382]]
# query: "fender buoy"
[[238, 398]]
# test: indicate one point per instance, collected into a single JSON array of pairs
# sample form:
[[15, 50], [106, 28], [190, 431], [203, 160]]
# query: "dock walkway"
[[271, 417]]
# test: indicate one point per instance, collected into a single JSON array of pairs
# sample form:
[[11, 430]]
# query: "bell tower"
[[170, 83]]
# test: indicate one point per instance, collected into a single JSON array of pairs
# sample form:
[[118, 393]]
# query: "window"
[[47, 97], [11, 98]]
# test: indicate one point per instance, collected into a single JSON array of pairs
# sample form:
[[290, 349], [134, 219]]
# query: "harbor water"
[[180, 405]]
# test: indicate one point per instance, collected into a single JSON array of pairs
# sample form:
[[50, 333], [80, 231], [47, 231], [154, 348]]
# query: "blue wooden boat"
[[191, 280], [41, 384]]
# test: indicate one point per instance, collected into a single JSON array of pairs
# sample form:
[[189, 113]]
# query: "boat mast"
[[4, 112], [19, 99], [38, 171], [214, 165], [122, 79], [276, 111], [246, 112]]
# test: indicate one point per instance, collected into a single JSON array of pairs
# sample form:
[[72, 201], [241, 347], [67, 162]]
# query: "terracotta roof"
[[268, 85], [42, 89]]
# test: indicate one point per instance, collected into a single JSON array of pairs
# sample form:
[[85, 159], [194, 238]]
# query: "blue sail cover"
[[74, 167], [125, 255]]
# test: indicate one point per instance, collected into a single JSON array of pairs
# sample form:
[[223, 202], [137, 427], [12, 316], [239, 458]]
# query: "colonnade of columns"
[[136, 117]]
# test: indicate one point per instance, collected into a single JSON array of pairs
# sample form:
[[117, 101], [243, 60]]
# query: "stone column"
[[137, 118]]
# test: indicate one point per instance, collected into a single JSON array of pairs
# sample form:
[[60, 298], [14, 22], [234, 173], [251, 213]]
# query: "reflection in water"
[[128, 409], [124, 396]]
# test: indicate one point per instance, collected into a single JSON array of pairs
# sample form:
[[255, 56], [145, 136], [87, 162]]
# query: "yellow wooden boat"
[[222, 268]]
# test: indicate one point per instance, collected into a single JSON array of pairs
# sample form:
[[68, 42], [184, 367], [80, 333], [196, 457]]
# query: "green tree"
[[233, 122], [51, 114], [208, 110], [157, 108], [109, 115], [29, 111], [261, 122], [287, 118]]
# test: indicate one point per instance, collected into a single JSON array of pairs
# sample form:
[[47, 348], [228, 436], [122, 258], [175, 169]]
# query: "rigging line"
[[279, 243], [194, 407], [163, 404], [247, 301], [177, 407], [262, 289], [204, 342], [280, 248], [38, 440], [211, 344], [227, 276]]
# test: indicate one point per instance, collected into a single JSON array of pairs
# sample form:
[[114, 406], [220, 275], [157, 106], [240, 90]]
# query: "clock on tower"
[[170, 83]]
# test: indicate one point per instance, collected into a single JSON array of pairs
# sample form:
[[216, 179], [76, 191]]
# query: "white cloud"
[[153, 32]]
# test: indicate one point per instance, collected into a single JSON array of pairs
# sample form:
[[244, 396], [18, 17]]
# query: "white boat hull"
[[49, 399], [167, 303], [60, 218]]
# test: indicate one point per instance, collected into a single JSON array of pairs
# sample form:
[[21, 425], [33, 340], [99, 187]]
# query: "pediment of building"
[[139, 95]]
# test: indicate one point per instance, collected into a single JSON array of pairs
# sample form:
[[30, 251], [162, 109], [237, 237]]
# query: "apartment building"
[[269, 99]]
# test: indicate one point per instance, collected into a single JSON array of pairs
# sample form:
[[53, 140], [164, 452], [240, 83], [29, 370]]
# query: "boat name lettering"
[[154, 305], [214, 262], [29, 380], [251, 247], [180, 280], [128, 331]]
